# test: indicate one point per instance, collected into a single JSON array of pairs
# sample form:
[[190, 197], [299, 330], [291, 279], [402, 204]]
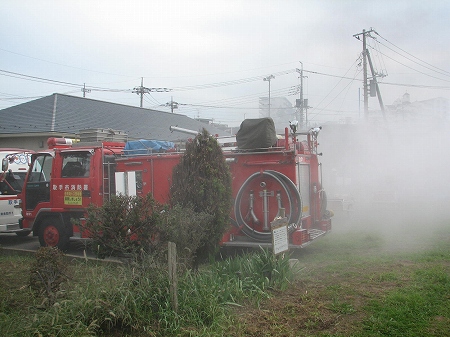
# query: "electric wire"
[[63, 65], [421, 72], [377, 58], [417, 85], [50, 81], [233, 82], [237, 102], [340, 79], [441, 71]]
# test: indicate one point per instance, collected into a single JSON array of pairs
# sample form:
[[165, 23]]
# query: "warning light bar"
[[59, 142]]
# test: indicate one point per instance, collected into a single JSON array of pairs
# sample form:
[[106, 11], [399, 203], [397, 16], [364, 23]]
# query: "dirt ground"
[[305, 309], [329, 296]]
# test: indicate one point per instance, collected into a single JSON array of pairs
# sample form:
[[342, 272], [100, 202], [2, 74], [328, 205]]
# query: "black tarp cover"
[[256, 134]]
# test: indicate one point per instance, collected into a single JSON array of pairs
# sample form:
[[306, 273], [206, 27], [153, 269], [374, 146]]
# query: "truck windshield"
[[41, 169]]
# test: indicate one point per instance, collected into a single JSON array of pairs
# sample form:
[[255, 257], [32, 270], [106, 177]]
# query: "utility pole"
[[301, 91], [143, 90], [172, 104], [364, 54], [305, 103], [84, 90], [366, 93], [268, 78], [301, 104], [366, 58]]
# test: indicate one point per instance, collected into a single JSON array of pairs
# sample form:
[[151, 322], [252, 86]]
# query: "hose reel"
[[275, 190]]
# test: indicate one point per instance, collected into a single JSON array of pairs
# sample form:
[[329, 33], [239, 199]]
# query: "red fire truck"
[[270, 173]]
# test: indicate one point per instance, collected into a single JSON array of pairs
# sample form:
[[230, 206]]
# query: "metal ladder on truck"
[[108, 175]]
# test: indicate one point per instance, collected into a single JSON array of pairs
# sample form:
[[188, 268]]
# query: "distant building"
[[435, 110], [281, 111]]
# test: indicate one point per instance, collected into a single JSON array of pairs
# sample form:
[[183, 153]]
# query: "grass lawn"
[[358, 280]]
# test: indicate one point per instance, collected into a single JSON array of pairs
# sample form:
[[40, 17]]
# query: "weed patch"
[[337, 289]]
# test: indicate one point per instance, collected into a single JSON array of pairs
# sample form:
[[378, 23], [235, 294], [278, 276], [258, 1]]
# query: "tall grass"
[[102, 299]]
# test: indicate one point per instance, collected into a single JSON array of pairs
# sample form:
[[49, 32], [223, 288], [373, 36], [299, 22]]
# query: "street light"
[[268, 78]]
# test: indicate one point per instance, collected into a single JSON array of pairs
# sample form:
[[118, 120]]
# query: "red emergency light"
[[59, 142]]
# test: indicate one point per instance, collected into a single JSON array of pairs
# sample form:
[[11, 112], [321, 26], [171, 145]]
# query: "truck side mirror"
[[4, 164]]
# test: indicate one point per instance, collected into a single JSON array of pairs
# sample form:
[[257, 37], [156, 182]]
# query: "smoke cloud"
[[389, 176]]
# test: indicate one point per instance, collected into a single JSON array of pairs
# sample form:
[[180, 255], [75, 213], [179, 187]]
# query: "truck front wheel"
[[53, 234]]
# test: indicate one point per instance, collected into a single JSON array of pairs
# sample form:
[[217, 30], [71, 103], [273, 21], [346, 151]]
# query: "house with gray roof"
[[30, 124]]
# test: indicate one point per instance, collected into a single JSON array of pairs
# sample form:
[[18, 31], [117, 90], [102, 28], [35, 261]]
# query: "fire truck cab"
[[12, 176], [61, 183]]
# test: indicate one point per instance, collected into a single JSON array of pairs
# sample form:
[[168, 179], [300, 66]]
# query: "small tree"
[[202, 180]]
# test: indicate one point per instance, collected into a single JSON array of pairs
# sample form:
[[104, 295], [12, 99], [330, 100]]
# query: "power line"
[[442, 70], [50, 81], [417, 86], [232, 82], [329, 75], [341, 78], [421, 72], [218, 107], [61, 64]]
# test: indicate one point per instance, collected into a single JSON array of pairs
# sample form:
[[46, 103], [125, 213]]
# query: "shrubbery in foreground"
[[135, 300]]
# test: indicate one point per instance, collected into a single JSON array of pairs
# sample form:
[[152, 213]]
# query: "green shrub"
[[140, 228], [48, 272], [202, 180], [126, 225], [184, 227]]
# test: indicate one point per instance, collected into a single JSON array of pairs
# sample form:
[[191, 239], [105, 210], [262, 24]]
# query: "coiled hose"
[[294, 200]]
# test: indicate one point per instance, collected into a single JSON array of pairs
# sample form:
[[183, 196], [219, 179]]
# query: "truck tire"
[[53, 234]]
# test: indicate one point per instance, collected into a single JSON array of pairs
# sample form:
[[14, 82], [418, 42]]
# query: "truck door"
[[71, 185], [37, 189]]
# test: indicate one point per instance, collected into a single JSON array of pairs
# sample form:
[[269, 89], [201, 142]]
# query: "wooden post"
[[173, 275]]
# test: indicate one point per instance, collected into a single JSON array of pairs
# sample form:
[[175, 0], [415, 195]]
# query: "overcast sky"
[[213, 55]]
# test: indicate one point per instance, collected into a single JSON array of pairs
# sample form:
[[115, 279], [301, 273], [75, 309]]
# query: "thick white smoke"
[[395, 174]]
